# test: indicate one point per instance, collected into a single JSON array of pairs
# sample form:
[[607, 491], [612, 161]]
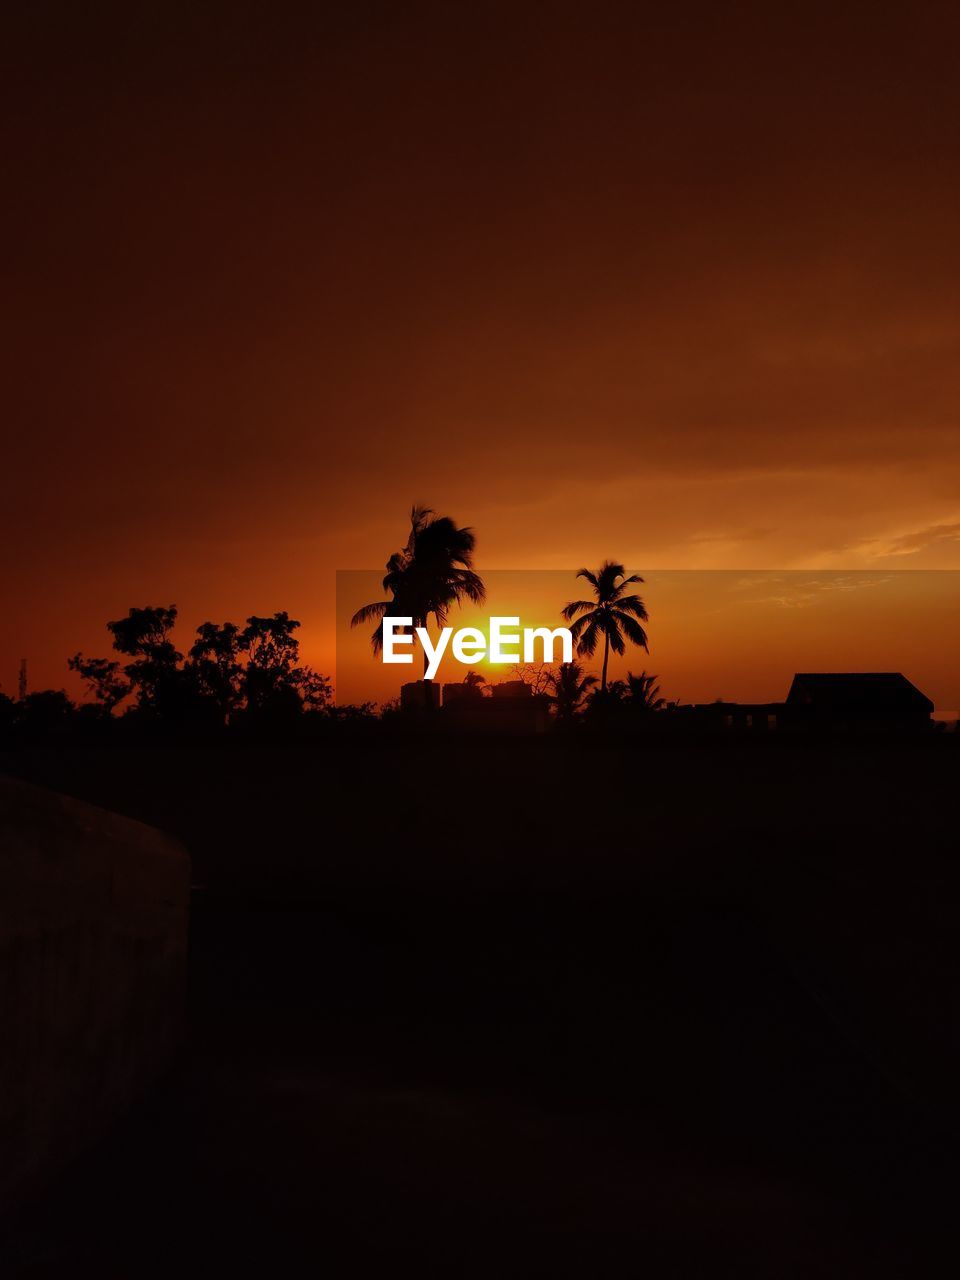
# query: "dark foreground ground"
[[534, 1008]]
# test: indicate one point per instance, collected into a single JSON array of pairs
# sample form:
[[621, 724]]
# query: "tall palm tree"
[[614, 614], [430, 573], [570, 687]]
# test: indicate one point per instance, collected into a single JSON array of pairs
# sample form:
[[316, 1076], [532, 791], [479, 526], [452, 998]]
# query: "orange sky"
[[677, 287]]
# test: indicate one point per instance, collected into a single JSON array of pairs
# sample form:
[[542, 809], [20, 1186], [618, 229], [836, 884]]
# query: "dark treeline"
[[233, 678], [250, 680]]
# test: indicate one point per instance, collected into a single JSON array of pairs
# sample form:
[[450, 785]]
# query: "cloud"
[[939, 542], [909, 544], [797, 591]]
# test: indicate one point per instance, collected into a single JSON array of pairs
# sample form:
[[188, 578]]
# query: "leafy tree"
[[570, 687], [613, 614], [272, 651], [433, 571], [155, 673], [316, 690], [146, 633], [273, 681], [215, 659], [227, 669], [270, 642], [104, 680]]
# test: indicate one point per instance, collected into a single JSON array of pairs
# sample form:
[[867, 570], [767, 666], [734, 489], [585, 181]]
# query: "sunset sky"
[[675, 284], [711, 631]]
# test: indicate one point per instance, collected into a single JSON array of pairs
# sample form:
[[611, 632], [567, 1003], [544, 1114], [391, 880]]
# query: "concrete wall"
[[93, 943]]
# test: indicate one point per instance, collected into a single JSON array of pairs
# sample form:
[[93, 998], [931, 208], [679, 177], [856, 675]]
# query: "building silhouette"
[[856, 700], [822, 700], [508, 707], [836, 701]]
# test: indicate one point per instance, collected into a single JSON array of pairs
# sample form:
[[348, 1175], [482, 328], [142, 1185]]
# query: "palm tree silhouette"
[[570, 687], [430, 573], [613, 615], [644, 692]]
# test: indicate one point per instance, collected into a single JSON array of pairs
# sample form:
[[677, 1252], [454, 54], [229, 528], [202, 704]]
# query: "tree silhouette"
[[570, 686], [433, 571], [215, 661], [538, 675], [104, 680], [155, 673], [229, 672], [44, 711], [633, 699], [274, 684], [613, 615], [643, 692]]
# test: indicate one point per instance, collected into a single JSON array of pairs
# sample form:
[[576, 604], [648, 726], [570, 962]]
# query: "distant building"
[[511, 707], [511, 689], [453, 694], [856, 700], [843, 701], [757, 717], [419, 697]]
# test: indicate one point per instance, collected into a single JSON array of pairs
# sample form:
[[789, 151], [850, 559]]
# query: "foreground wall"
[[93, 939]]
